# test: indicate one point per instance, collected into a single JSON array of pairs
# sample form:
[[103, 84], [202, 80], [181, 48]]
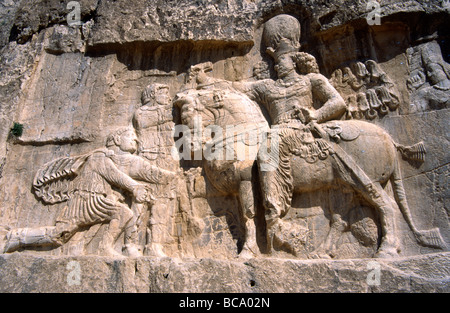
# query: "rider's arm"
[[333, 106], [253, 89], [257, 91]]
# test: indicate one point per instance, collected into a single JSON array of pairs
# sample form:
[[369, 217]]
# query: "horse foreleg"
[[325, 250], [247, 203]]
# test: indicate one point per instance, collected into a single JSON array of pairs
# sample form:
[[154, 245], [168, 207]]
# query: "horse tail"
[[415, 152], [429, 238]]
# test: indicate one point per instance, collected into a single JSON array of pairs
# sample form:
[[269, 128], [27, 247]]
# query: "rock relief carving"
[[216, 102], [154, 126], [310, 139], [429, 81], [315, 148], [367, 90], [94, 187]]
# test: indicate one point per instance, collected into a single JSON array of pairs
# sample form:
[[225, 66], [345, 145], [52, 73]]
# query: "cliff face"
[[72, 75]]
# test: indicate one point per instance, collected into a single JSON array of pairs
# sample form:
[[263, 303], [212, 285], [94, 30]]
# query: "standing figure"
[[154, 126]]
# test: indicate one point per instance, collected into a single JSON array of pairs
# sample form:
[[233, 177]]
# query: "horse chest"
[[223, 175]]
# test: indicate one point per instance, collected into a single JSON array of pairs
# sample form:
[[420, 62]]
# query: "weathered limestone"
[[20, 273], [239, 139]]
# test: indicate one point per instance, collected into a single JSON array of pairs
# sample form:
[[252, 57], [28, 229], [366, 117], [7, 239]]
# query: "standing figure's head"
[[156, 94]]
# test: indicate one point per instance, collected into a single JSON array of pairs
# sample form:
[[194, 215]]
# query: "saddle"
[[314, 142]]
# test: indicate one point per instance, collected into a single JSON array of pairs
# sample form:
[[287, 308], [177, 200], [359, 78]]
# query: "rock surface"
[[73, 88], [419, 274]]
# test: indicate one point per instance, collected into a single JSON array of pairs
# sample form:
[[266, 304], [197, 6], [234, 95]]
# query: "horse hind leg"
[[379, 198], [389, 244], [327, 247]]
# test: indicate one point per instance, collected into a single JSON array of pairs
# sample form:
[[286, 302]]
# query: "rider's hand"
[[310, 115]]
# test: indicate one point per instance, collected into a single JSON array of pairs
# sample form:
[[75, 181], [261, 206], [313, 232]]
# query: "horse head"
[[213, 107]]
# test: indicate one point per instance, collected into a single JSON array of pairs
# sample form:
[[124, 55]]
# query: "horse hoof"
[[319, 256], [246, 254], [386, 253], [132, 251]]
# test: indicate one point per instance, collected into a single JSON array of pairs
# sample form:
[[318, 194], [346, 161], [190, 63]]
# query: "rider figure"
[[300, 98], [296, 97]]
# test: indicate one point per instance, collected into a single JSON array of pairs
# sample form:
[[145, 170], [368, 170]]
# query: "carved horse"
[[230, 169], [365, 158]]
